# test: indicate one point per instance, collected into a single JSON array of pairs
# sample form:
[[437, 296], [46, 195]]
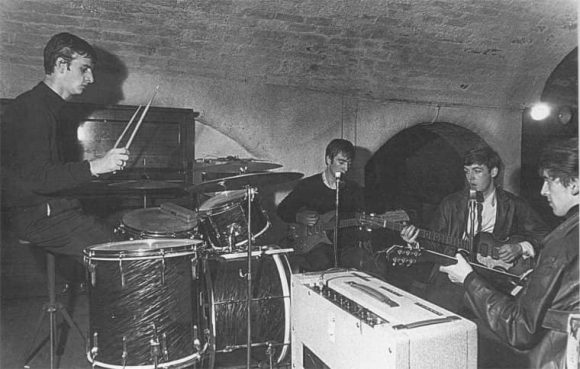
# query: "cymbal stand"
[[249, 197]]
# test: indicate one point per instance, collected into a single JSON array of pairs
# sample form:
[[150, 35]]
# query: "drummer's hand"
[[409, 234], [114, 159], [307, 217], [457, 272]]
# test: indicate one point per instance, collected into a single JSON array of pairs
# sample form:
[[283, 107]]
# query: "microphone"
[[338, 178]]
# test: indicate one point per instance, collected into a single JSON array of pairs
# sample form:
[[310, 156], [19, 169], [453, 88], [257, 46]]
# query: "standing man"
[[536, 319], [501, 214], [313, 202], [33, 169]]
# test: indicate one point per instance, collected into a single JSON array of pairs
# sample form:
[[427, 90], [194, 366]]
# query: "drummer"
[[33, 169], [315, 196]]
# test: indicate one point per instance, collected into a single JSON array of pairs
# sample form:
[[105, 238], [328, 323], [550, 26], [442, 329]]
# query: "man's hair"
[[65, 45], [338, 145], [483, 155], [560, 160]]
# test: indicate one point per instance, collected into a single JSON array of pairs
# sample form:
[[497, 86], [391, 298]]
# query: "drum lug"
[[92, 273], [164, 347], [125, 353], [155, 350], [194, 262], [95, 348], [196, 341], [162, 267], [121, 270]]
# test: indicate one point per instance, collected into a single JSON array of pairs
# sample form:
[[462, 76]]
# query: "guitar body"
[[303, 238], [487, 248]]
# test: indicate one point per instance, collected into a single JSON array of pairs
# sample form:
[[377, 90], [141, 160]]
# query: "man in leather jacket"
[[502, 215], [536, 319]]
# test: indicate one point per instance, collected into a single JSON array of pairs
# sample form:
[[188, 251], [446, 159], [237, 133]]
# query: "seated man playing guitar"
[[310, 211], [500, 215], [537, 319]]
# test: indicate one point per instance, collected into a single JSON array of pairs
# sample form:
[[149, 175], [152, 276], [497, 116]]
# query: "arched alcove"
[[417, 167], [561, 92]]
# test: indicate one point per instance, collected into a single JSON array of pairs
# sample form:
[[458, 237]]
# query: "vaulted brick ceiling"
[[480, 52]]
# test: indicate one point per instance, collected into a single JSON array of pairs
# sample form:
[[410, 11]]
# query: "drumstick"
[[127, 127], [141, 119]]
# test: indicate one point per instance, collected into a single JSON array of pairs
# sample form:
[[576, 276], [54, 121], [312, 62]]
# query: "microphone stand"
[[336, 203], [471, 213], [249, 194]]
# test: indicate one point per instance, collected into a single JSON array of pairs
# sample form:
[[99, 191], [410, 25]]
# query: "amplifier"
[[347, 319]]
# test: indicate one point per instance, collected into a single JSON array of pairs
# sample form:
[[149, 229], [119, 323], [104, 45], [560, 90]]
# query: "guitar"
[[482, 253], [303, 238]]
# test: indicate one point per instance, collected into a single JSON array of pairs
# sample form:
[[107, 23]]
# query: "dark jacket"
[[33, 166], [514, 217], [536, 318]]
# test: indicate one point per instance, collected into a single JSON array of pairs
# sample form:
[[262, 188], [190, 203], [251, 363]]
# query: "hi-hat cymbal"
[[234, 166], [244, 180], [145, 184]]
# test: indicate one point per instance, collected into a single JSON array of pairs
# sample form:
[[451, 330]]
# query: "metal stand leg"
[[52, 308]]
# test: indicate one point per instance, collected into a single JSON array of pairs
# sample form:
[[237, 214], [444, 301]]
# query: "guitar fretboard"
[[429, 235]]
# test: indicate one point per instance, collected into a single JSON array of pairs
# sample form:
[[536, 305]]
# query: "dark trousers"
[[67, 231]]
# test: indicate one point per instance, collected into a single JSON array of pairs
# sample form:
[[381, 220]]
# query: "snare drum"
[[224, 220], [154, 223], [141, 305]]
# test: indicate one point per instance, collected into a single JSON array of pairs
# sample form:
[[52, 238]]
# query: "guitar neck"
[[431, 236], [342, 223]]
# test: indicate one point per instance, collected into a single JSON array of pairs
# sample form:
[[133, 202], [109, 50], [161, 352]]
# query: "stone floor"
[[19, 318]]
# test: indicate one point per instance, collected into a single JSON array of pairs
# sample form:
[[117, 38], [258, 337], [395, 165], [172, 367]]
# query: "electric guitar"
[[303, 238], [481, 253]]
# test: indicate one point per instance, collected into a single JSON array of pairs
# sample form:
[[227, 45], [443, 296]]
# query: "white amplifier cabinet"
[[346, 319]]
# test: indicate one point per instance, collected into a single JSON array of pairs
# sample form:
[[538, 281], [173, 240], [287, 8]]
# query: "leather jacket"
[[514, 217], [536, 319]]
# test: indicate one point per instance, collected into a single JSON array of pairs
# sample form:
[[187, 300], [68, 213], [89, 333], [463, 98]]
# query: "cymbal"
[[235, 166], [145, 184], [241, 181]]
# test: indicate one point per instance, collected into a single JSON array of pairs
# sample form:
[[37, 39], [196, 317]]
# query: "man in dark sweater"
[[313, 203], [33, 168]]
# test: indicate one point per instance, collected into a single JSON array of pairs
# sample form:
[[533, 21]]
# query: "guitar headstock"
[[379, 220], [402, 255]]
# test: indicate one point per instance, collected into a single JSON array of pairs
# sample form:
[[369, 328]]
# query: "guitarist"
[[501, 214], [313, 198], [537, 318]]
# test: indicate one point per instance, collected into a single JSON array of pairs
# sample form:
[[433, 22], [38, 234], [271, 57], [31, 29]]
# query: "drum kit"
[[186, 285]]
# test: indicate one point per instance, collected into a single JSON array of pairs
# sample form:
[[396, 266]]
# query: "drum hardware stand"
[[51, 308], [270, 352], [249, 197]]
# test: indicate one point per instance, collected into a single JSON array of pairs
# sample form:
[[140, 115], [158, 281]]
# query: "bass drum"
[[141, 305], [224, 290]]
